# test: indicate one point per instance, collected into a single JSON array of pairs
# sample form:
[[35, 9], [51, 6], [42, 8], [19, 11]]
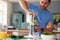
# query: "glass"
[[36, 35], [34, 20]]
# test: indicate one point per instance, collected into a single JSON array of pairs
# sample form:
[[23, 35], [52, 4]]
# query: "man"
[[44, 17]]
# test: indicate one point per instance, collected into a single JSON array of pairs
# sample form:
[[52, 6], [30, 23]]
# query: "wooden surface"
[[20, 32], [56, 32]]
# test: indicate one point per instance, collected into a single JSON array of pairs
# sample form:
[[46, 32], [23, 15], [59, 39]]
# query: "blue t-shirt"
[[44, 16]]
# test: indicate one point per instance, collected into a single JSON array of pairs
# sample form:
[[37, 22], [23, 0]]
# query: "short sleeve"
[[32, 6], [51, 19]]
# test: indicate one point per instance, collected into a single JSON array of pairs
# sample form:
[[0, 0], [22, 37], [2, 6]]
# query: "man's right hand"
[[32, 13]]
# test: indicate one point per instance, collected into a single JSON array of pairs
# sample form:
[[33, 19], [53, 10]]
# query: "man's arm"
[[24, 4], [50, 27]]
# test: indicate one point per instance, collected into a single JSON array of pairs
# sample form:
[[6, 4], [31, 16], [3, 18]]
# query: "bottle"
[[36, 35]]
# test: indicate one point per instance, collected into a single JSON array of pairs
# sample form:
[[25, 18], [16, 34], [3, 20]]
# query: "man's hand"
[[37, 28], [32, 13], [48, 30], [50, 27]]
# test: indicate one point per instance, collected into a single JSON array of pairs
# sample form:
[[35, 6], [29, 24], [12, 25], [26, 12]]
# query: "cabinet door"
[[17, 20]]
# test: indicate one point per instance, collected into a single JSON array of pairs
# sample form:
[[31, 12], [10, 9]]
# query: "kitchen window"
[[3, 12]]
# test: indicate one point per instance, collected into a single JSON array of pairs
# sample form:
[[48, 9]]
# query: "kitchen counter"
[[19, 32], [24, 38], [21, 39], [56, 32]]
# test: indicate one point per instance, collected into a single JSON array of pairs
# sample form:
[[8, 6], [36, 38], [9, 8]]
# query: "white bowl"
[[47, 37]]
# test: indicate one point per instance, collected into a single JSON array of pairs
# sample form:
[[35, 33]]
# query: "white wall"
[[9, 11]]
